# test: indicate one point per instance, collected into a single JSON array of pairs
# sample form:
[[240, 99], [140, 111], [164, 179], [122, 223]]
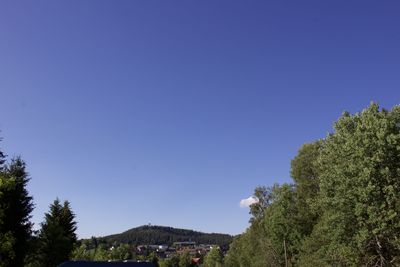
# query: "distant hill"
[[157, 235]]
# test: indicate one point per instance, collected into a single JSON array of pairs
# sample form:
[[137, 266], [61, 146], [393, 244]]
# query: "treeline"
[[19, 244], [214, 258], [344, 206], [150, 234], [96, 250]]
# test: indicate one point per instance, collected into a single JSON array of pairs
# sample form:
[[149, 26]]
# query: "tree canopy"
[[57, 235], [15, 212], [343, 208]]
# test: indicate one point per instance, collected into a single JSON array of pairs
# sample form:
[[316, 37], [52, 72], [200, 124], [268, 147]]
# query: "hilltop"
[[149, 234]]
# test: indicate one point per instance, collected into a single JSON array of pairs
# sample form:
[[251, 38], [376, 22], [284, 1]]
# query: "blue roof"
[[105, 264]]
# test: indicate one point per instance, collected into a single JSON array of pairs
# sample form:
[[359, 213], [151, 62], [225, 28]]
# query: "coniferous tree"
[[16, 207], [67, 221], [18, 213], [57, 235], [6, 237]]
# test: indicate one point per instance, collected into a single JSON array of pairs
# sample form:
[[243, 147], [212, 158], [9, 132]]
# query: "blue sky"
[[171, 112]]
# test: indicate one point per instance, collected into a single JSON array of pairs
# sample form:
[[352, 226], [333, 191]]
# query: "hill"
[[149, 234]]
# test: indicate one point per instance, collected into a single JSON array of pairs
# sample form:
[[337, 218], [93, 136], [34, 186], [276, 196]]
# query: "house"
[[105, 264], [187, 244]]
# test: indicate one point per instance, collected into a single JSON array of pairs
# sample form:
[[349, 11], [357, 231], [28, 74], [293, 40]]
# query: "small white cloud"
[[244, 203]]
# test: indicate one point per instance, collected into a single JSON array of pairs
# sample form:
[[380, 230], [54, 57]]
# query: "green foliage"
[[185, 260], [57, 235], [166, 235], [281, 222], [214, 258], [7, 242], [7, 239], [121, 252], [359, 189], [15, 212], [263, 194], [81, 252], [170, 262], [99, 252], [153, 258], [344, 208], [304, 171], [273, 239]]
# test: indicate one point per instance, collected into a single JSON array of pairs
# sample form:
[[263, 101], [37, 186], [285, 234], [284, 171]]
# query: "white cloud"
[[244, 203]]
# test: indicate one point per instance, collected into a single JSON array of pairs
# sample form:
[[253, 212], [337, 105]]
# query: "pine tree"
[[16, 211], [67, 222], [7, 239], [57, 235]]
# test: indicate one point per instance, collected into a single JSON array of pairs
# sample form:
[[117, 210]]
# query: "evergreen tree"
[[67, 221], [7, 239], [16, 208], [57, 235], [18, 213]]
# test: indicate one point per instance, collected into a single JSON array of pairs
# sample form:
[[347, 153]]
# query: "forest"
[[153, 234], [342, 209]]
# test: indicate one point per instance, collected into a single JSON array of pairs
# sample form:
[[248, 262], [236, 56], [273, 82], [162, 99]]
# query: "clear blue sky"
[[171, 112]]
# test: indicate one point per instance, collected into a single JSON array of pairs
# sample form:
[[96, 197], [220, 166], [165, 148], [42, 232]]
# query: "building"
[[187, 244]]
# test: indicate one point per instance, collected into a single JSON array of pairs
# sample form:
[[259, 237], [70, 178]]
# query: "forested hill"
[[167, 235]]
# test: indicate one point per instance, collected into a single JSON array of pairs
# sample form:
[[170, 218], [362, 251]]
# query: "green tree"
[[57, 235], [170, 262], [214, 258], [18, 212], [263, 194], [100, 254], [91, 250], [185, 260], [283, 225], [7, 239], [15, 212], [252, 248], [67, 222], [153, 258], [121, 252], [304, 171], [359, 170], [81, 252]]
